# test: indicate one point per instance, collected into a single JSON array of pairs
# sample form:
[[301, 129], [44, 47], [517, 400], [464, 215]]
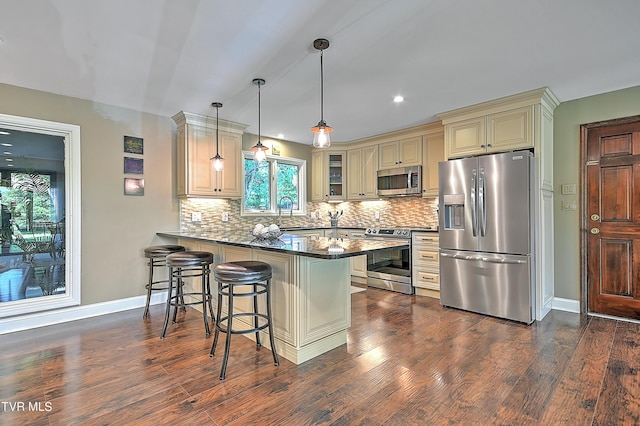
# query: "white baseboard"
[[568, 305], [42, 319]]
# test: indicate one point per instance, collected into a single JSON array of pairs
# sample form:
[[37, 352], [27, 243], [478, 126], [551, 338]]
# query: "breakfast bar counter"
[[311, 284], [319, 247]]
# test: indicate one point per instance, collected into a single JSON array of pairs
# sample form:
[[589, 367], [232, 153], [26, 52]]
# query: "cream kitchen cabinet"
[[196, 146], [358, 263], [502, 131], [499, 131], [425, 263], [362, 167], [328, 175], [432, 154], [402, 153]]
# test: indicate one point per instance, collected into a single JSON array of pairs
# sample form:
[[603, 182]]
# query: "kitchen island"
[[311, 284]]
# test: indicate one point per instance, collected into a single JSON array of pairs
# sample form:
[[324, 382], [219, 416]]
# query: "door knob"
[[595, 231]]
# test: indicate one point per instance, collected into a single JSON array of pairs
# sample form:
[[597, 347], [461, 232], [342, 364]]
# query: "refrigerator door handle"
[[482, 203], [485, 259], [474, 207], [503, 260]]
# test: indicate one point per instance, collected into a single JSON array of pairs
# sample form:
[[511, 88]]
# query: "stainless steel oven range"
[[390, 269]]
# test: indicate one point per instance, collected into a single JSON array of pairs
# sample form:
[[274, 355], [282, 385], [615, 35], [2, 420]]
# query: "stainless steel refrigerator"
[[486, 235]]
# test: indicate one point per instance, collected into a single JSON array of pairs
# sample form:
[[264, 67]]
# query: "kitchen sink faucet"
[[284, 197]]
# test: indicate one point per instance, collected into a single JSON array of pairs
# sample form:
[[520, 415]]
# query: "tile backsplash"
[[405, 211]]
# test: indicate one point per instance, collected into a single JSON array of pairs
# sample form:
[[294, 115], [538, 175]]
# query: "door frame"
[[42, 306], [584, 214]]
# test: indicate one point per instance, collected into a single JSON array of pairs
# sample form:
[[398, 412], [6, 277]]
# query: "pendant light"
[[259, 150], [218, 162], [321, 131]]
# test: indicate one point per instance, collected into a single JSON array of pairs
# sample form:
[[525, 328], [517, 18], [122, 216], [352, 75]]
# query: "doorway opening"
[[39, 215]]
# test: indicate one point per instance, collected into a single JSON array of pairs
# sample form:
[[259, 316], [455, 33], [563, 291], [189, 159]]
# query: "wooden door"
[[612, 217]]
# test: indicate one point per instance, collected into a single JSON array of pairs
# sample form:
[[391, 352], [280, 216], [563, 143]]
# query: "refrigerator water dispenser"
[[453, 211]]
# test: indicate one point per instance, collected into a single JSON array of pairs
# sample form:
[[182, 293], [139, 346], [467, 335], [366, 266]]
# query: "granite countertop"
[[293, 244], [409, 228]]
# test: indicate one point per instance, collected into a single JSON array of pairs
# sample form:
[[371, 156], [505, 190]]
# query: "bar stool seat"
[[156, 256], [230, 275], [189, 264]]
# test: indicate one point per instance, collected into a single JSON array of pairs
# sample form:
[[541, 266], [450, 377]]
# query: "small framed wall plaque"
[[133, 186], [133, 145], [133, 166]]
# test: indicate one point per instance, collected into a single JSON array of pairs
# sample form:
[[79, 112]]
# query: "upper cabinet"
[[402, 153], [196, 146], [522, 121], [502, 131], [432, 154], [362, 168], [329, 180]]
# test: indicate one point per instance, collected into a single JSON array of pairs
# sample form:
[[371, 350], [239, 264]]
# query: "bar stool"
[[188, 264], [234, 274], [156, 256]]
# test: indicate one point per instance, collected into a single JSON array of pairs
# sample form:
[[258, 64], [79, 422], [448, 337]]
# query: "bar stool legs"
[[229, 276], [157, 259], [188, 264]]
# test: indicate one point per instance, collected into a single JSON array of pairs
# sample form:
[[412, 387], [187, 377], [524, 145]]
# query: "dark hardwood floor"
[[408, 362]]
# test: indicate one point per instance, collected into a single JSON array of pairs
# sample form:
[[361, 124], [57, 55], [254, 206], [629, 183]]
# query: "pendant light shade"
[[218, 161], [321, 132], [259, 150]]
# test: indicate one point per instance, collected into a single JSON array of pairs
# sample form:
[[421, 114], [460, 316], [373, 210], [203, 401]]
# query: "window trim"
[[302, 185]]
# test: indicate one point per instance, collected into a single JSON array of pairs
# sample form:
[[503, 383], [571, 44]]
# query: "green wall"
[[568, 117], [115, 227]]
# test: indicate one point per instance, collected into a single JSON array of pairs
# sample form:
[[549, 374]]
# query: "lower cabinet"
[[310, 299], [358, 263], [425, 263]]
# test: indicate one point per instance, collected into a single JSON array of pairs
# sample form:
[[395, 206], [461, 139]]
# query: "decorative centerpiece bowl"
[[266, 233]]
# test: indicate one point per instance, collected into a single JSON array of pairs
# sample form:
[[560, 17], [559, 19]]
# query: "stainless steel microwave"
[[400, 181]]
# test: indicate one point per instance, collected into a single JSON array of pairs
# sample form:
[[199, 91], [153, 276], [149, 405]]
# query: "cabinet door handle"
[[427, 257], [429, 278]]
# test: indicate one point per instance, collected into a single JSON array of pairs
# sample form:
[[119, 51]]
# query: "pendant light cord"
[[217, 129], [259, 133], [321, 87]]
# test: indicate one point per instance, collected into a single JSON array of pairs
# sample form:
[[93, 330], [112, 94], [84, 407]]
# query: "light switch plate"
[[225, 216], [569, 189], [569, 205], [196, 217]]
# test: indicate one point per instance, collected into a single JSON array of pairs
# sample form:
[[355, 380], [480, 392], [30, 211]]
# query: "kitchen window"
[[271, 182]]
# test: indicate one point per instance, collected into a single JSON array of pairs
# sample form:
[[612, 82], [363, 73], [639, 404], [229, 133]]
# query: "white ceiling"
[[164, 56]]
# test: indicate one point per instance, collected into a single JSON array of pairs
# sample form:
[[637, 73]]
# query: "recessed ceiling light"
[[8, 159], [6, 153], [398, 99], [280, 136], [2, 132], [6, 144]]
